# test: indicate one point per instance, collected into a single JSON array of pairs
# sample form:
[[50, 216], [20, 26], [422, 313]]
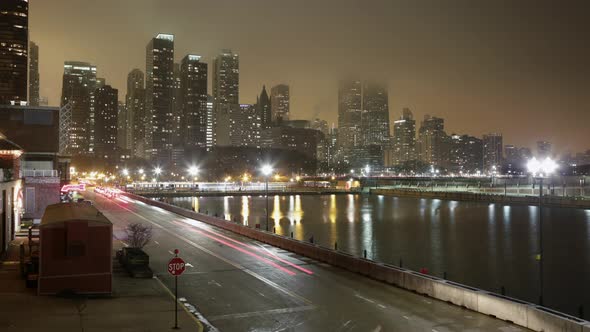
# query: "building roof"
[[6, 145], [62, 212]]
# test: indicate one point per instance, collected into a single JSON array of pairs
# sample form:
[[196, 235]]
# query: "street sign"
[[176, 266]]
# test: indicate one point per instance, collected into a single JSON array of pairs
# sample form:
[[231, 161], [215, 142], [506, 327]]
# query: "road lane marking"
[[262, 313], [189, 265], [194, 222], [364, 298], [406, 317], [234, 264], [381, 306]]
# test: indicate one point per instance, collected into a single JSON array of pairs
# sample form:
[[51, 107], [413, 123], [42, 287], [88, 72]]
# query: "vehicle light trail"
[[260, 258], [295, 266]]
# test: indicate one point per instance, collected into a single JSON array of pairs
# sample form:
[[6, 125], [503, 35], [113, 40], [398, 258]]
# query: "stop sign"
[[176, 266]]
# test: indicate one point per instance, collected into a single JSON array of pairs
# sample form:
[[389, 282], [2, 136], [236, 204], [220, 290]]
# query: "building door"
[[4, 206]]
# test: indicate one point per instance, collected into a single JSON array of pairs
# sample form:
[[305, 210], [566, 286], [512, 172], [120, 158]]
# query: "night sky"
[[521, 68]]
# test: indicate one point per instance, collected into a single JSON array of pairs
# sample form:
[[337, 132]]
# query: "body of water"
[[489, 246]]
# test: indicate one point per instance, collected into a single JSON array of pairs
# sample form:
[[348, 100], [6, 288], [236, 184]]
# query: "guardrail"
[[571, 202], [39, 173], [525, 314]]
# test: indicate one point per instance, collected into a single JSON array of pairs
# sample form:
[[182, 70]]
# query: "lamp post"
[[540, 170], [192, 171], [266, 171], [157, 171]]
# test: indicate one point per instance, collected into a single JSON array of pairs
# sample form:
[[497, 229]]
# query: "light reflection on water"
[[479, 244]]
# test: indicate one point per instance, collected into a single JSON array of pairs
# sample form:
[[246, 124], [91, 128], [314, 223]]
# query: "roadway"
[[239, 284]]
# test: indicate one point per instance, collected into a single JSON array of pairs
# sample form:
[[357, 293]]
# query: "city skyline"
[[477, 72]]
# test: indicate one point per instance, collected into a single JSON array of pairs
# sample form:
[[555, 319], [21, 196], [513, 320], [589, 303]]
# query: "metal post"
[[541, 240], [266, 199], [176, 302], [176, 298]]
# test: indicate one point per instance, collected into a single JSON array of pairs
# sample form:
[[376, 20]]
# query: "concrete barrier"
[[544, 319], [521, 313], [503, 308]]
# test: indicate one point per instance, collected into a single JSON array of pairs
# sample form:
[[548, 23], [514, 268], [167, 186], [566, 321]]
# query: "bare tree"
[[138, 235]]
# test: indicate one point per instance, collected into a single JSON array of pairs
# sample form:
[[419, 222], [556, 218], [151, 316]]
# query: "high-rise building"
[[122, 126], [33, 74], [106, 108], [14, 46], [226, 88], [302, 140], [433, 147], [404, 139], [136, 117], [159, 131], [280, 100], [375, 115], [466, 154], [177, 109], [492, 152], [79, 82], [349, 116], [321, 125], [263, 107], [544, 149], [238, 125], [211, 124], [193, 87]]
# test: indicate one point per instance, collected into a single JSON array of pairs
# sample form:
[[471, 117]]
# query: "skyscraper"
[[349, 116], [33, 74], [492, 152], [404, 138], [466, 153], [177, 131], [544, 149], [106, 108], [433, 147], [193, 92], [280, 100], [122, 126], [136, 117], [321, 125], [159, 98], [14, 45], [79, 82], [375, 114], [226, 88], [211, 124], [263, 107]]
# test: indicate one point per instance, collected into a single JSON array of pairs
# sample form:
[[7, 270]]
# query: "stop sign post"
[[176, 267]]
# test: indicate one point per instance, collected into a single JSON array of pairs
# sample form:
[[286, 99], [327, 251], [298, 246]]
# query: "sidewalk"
[[136, 305]]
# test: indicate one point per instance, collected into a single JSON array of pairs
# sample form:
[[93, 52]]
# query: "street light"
[[157, 170], [125, 172], [192, 171], [266, 171], [540, 170]]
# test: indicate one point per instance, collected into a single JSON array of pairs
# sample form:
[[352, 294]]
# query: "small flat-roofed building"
[[75, 250]]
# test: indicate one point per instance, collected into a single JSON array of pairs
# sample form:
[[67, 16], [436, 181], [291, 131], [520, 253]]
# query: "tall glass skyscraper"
[[193, 94], [226, 88], [375, 114], [135, 112], [280, 102], [350, 104], [79, 82], [14, 45], [33, 74], [159, 131], [404, 138]]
